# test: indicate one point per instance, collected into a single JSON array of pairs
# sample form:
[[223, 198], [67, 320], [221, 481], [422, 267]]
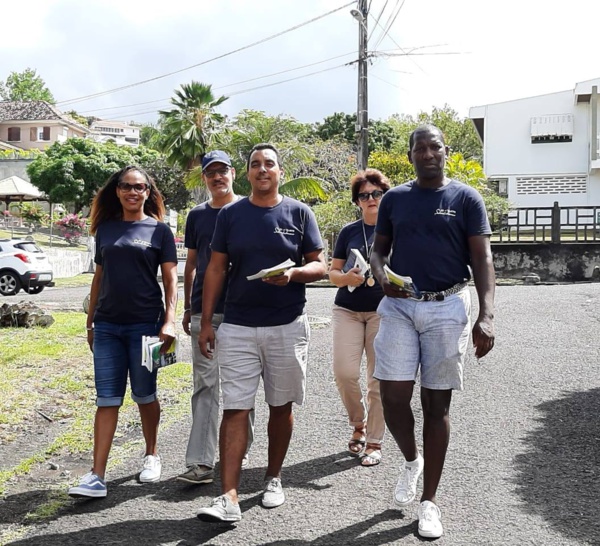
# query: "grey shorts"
[[278, 354], [430, 335]]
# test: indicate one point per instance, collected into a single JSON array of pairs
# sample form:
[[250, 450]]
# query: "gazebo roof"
[[14, 188]]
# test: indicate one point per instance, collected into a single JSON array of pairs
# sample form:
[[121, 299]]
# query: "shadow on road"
[[559, 476], [191, 531]]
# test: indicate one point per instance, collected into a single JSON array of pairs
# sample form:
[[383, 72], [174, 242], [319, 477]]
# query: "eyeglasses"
[[137, 188], [376, 195], [212, 174]]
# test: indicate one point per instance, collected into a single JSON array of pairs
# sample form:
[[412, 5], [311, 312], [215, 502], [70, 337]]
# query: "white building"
[[119, 132], [544, 149]]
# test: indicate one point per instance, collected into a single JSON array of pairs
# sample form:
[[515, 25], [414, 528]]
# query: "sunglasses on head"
[[137, 188], [364, 196]]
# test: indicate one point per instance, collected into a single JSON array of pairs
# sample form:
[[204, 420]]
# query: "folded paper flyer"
[[272, 271], [405, 283]]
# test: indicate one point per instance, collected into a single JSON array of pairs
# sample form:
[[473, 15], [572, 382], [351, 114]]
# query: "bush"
[[71, 227], [34, 214]]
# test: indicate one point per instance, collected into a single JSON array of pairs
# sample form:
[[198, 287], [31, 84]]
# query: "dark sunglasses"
[[137, 188], [364, 196]]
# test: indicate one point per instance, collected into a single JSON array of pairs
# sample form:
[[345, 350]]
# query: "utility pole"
[[362, 113]]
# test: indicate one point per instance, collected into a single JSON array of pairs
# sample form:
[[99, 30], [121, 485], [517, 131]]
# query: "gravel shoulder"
[[522, 466]]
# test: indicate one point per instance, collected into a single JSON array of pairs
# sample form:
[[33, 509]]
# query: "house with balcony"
[[35, 124], [119, 132], [544, 149]]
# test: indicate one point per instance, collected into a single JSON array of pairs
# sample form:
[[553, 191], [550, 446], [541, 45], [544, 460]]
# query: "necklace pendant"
[[370, 282]]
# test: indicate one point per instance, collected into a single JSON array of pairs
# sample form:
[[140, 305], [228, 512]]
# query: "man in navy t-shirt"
[[434, 230], [265, 331], [218, 175]]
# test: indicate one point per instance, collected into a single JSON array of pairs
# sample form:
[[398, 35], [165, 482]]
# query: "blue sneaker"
[[90, 485]]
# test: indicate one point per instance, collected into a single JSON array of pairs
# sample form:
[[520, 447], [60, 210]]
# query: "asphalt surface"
[[522, 467]]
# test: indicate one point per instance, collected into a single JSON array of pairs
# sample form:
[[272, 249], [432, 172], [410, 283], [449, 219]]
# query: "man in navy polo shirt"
[[265, 331], [433, 230], [218, 175]]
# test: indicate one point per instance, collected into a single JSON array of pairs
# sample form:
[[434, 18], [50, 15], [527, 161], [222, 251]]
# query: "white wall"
[[508, 149]]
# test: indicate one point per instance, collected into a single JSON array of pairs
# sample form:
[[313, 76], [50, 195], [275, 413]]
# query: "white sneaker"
[[220, 509], [273, 494], [406, 488], [430, 524], [151, 469]]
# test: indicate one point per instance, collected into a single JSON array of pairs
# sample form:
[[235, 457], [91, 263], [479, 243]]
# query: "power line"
[[116, 89], [377, 20], [241, 91], [227, 85], [389, 25]]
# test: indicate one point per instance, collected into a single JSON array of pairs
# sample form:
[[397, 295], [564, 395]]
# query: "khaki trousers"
[[353, 334]]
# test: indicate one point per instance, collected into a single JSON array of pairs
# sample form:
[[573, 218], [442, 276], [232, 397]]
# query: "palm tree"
[[190, 128]]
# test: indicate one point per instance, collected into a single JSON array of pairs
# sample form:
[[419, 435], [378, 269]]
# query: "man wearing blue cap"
[[218, 175]]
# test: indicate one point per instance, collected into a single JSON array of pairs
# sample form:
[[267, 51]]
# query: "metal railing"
[[548, 225]]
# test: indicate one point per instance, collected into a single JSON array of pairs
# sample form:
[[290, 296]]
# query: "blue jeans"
[[117, 354]]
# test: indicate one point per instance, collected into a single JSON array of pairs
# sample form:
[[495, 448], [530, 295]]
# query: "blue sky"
[[503, 51]]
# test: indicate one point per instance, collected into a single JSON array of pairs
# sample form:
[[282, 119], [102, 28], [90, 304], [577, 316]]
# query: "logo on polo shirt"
[[445, 212], [143, 243], [284, 231]]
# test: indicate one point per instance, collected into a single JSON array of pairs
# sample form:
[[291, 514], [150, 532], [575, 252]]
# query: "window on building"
[[552, 128], [33, 134], [14, 134], [45, 134]]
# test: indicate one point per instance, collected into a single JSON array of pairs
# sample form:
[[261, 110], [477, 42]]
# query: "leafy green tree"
[[150, 136], [169, 179], [333, 161], [189, 130], [71, 172], [251, 127], [395, 166], [334, 214], [339, 125], [342, 126], [25, 86], [460, 134]]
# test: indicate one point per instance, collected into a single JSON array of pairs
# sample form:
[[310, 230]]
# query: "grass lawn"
[[47, 374], [41, 238]]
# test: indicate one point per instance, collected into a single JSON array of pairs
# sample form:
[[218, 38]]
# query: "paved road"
[[522, 467]]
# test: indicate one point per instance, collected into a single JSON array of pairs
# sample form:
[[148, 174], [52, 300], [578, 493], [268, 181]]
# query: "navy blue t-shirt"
[[256, 238], [430, 230], [363, 298], [130, 254], [199, 229]]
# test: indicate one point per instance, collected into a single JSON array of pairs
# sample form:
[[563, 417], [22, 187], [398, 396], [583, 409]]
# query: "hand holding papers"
[[272, 271], [359, 262], [404, 283], [152, 358]]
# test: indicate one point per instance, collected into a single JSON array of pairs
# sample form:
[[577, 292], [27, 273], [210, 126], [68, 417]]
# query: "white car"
[[23, 265]]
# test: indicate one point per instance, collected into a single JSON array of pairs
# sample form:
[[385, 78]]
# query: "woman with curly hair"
[[355, 319], [125, 304]]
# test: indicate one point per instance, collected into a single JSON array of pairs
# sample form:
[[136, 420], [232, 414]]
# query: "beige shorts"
[[278, 354]]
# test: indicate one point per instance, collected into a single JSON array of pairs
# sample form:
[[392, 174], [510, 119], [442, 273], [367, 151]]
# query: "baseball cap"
[[216, 156]]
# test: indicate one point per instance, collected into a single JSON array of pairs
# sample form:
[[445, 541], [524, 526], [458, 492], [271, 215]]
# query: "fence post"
[[556, 223]]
